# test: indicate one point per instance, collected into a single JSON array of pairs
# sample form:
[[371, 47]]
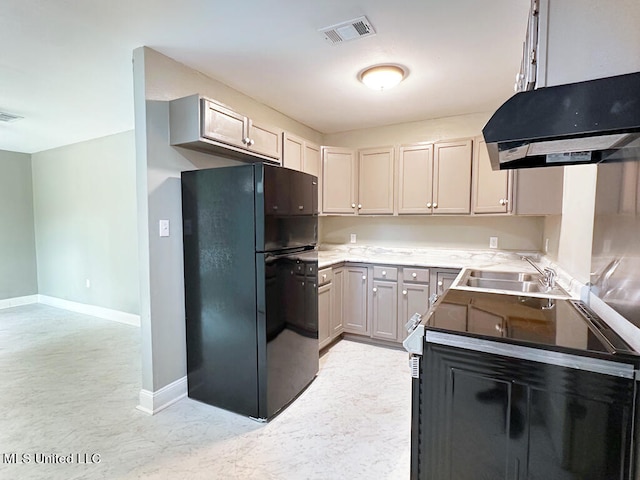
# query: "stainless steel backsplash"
[[615, 259]]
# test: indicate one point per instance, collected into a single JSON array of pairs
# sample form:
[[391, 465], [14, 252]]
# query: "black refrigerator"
[[250, 274]]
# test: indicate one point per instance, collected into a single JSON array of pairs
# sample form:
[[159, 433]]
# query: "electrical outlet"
[[493, 242], [353, 238]]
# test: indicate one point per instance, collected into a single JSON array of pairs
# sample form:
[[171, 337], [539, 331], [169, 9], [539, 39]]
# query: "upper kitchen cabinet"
[[452, 177], [339, 181], [527, 191], [571, 41], [311, 159], [415, 179], [491, 188], [435, 178], [300, 154], [375, 181], [293, 151], [538, 191], [357, 182], [202, 124]]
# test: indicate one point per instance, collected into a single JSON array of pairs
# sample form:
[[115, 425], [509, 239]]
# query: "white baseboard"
[[93, 310], [18, 301], [153, 402]]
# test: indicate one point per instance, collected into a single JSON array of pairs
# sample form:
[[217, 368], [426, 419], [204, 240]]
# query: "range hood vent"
[[350, 30], [586, 122]]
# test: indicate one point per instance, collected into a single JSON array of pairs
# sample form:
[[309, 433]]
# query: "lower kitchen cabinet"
[[384, 319], [478, 415], [355, 300], [441, 279], [414, 296], [330, 303], [324, 315], [337, 303], [375, 301]]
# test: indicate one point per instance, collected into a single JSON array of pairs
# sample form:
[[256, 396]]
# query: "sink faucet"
[[548, 280]]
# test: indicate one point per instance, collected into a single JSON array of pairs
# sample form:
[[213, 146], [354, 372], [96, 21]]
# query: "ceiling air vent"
[[343, 32], [8, 117]]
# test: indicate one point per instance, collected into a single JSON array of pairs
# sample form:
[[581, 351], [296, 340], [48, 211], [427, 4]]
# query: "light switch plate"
[[164, 228], [493, 242]]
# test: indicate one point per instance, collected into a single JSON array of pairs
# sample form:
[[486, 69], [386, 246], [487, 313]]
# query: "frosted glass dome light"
[[382, 77]]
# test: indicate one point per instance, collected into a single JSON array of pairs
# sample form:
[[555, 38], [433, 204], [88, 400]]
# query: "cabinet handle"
[[429, 204], [435, 205], [324, 276], [414, 274], [300, 207], [364, 277], [250, 142], [502, 201], [353, 205], [404, 292], [384, 273], [440, 283], [375, 289], [245, 140], [359, 206]]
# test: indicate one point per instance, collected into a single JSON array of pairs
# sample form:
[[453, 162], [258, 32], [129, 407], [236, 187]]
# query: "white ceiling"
[[65, 65]]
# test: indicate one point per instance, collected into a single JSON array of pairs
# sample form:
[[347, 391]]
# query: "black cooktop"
[[556, 324]]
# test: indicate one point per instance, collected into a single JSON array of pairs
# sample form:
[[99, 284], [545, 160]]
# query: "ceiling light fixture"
[[382, 77]]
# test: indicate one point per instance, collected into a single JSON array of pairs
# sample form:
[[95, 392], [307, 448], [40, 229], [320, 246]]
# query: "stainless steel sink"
[[509, 281], [515, 285], [514, 276]]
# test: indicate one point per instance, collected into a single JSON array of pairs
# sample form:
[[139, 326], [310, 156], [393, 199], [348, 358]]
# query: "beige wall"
[[447, 128], [514, 233]]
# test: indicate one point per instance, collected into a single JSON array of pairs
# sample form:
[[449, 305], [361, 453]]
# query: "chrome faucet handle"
[[550, 277]]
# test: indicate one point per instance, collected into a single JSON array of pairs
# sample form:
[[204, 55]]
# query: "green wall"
[[17, 243]]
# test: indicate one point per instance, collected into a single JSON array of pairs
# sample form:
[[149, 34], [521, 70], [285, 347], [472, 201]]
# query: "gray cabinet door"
[[441, 280], [324, 315], [414, 298], [339, 181], [491, 188], [385, 310], [337, 302], [355, 300]]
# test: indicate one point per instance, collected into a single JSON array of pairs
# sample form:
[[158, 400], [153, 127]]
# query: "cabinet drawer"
[[385, 273], [415, 275], [325, 276]]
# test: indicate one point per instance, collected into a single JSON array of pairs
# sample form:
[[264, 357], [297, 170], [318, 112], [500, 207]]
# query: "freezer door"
[[286, 208]]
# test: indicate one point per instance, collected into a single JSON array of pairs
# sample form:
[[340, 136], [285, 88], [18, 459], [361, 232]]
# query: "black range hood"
[[586, 122]]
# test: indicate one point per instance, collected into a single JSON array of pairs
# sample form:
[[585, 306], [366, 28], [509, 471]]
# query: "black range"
[[520, 387], [561, 325]]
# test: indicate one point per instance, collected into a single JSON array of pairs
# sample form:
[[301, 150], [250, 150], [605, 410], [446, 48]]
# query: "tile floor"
[[69, 385]]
